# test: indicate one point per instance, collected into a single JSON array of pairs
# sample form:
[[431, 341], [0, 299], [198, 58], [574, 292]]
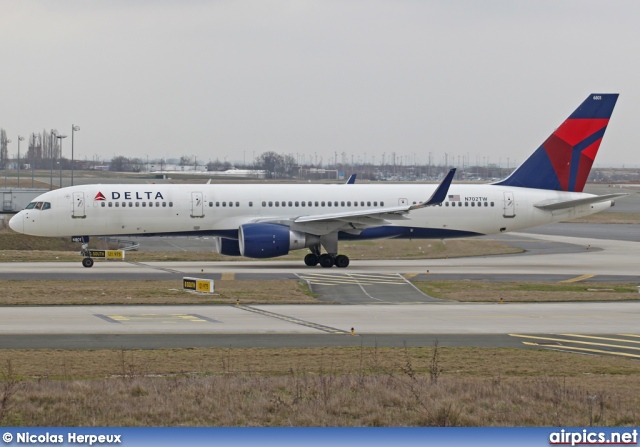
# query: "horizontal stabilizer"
[[555, 205]]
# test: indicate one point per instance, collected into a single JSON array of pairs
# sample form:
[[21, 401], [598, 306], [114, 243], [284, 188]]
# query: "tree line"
[[41, 148]]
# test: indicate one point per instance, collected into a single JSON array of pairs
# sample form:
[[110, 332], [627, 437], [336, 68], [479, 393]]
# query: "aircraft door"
[[509, 205], [78, 205], [197, 205]]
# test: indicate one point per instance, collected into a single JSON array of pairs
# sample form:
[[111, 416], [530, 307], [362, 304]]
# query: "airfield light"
[[74, 128], [60, 137]]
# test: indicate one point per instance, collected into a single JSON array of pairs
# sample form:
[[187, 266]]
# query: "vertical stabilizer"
[[564, 160]]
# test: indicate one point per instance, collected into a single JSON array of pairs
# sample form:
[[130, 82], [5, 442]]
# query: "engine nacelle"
[[227, 247], [262, 240]]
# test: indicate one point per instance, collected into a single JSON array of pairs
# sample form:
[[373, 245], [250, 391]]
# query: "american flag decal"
[[454, 198]]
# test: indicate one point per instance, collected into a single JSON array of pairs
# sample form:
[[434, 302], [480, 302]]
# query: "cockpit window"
[[39, 205], [30, 206], [46, 206]]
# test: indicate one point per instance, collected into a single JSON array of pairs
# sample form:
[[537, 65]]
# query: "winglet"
[[440, 193], [351, 180]]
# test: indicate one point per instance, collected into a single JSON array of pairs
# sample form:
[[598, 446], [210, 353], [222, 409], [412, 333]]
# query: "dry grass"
[[59, 292], [320, 387], [475, 291]]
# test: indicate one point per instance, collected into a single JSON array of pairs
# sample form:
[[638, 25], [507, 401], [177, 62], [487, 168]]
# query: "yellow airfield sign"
[[198, 285], [107, 254]]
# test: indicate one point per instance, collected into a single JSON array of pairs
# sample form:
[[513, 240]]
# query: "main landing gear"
[[326, 260]]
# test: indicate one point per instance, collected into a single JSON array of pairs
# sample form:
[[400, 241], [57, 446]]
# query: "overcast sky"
[[230, 79]]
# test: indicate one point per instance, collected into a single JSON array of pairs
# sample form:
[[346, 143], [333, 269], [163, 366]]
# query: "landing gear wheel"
[[87, 262], [326, 260], [342, 261], [311, 259]]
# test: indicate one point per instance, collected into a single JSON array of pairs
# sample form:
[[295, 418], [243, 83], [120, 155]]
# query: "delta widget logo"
[[100, 196]]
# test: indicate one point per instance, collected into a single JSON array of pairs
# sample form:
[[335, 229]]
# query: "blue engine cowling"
[[225, 246], [262, 240]]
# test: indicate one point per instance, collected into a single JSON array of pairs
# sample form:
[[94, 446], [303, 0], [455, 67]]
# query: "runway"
[[588, 327]]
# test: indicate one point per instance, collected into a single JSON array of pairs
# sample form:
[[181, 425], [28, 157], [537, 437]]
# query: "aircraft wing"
[[357, 220], [559, 205], [436, 198]]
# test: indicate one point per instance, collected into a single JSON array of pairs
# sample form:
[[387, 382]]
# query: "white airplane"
[[269, 220]]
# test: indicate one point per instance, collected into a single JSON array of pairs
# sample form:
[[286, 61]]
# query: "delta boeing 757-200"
[[270, 220]]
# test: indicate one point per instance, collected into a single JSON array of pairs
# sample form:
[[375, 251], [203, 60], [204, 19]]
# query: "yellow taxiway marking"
[[165, 317], [228, 276], [574, 341], [601, 338], [577, 278], [569, 348]]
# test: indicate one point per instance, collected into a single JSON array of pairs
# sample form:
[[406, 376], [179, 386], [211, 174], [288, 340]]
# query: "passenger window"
[[297, 204], [355, 203], [117, 204], [277, 203], [368, 203], [486, 204], [466, 203], [348, 203], [144, 204], [290, 203], [264, 203], [309, 204], [170, 203], [103, 204], [322, 203], [302, 203], [316, 204], [381, 203], [130, 204], [473, 203], [237, 204], [328, 203], [361, 203], [270, 203], [491, 203], [446, 204], [137, 204], [210, 204], [224, 204], [151, 204], [284, 203], [158, 204], [231, 204], [110, 204], [375, 203], [250, 203], [217, 204], [164, 204]]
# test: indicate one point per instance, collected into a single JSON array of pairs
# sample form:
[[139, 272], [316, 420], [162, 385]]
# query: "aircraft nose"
[[17, 223]]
